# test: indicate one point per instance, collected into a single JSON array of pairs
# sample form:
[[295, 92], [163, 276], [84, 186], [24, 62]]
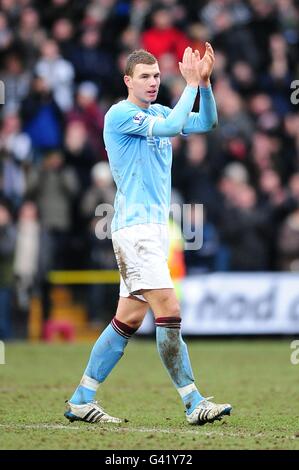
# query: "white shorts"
[[141, 253]]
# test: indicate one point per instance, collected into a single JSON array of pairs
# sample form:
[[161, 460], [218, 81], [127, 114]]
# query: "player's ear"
[[128, 80]]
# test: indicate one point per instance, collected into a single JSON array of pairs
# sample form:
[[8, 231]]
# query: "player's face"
[[144, 85]]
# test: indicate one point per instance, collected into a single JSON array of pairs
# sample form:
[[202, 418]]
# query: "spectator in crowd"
[[194, 179], [91, 61], [245, 229], [129, 39], [26, 264], [138, 13], [16, 153], [17, 81], [288, 243], [63, 32], [60, 9], [30, 34], [290, 140], [39, 112], [53, 186], [232, 113], [58, 74], [7, 246], [243, 78], [102, 191], [6, 35], [91, 115], [79, 153], [203, 256], [163, 37]]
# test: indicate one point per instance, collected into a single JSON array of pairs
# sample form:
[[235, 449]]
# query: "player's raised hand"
[[189, 67], [205, 64]]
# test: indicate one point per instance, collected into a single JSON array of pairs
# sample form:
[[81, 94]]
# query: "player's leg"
[[109, 347], [108, 350], [171, 347], [173, 352]]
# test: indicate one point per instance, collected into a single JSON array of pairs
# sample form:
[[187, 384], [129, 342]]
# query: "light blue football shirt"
[[140, 164]]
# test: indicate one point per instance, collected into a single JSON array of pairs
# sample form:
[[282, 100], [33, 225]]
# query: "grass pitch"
[[256, 377]]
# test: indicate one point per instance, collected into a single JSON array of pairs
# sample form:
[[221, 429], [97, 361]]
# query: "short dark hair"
[[139, 56]]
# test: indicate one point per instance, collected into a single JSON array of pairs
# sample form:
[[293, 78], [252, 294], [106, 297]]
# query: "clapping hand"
[[205, 64], [189, 67]]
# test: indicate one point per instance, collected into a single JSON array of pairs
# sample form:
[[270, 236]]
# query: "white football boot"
[[90, 412], [207, 412]]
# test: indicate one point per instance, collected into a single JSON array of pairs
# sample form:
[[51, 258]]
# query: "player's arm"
[[173, 124], [206, 119], [130, 122]]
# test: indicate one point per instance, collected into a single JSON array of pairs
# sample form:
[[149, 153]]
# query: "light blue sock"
[[173, 352], [105, 354]]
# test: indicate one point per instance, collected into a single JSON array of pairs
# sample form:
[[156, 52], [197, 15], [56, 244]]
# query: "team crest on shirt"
[[139, 118]]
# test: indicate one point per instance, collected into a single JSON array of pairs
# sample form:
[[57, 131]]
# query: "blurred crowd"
[[62, 65]]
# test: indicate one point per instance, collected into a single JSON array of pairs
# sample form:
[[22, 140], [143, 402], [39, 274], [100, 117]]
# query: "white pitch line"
[[128, 429], [71, 427]]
